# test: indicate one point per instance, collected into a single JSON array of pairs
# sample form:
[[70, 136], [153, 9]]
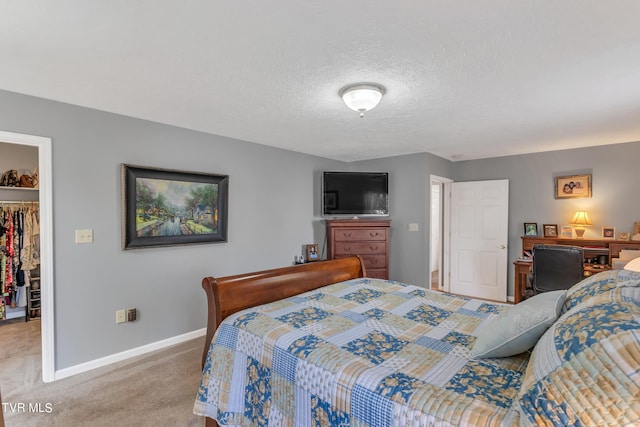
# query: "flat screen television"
[[355, 194]]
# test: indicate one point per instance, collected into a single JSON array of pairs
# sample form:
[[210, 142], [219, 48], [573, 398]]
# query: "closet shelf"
[[2, 187]]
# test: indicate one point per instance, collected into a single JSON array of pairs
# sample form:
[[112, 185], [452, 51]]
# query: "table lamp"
[[580, 219]]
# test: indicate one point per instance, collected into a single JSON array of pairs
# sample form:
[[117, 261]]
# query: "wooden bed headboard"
[[227, 295]]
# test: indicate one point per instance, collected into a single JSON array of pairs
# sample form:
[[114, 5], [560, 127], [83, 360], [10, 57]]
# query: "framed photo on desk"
[[608, 232], [530, 228], [550, 230], [312, 252]]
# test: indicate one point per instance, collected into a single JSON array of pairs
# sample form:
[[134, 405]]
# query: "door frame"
[[45, 195], [445, 221]]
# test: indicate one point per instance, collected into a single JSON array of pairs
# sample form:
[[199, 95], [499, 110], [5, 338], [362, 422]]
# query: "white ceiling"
[[468, 78]]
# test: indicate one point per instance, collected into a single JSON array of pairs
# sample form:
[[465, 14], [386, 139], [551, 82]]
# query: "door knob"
[[502, 247]]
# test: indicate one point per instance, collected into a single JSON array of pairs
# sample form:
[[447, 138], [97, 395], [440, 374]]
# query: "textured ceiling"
[[468, 78]]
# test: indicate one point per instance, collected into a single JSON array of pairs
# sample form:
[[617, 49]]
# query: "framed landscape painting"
[[164, 207]]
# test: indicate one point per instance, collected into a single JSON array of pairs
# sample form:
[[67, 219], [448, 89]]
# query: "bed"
[[322, 344]]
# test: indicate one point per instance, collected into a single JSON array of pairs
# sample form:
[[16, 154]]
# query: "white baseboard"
[[127, 354], [510, 299]]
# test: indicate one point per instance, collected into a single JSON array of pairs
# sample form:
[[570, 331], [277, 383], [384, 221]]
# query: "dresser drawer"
[[377, 273], [374, 261], [359, 248], [347, 235]]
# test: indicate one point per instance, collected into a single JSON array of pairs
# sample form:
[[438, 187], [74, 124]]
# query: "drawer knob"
[[373, 248], [346, 248], [346, 234]]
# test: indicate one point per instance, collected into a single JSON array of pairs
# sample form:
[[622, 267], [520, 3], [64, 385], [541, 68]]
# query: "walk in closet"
[[19, 234]]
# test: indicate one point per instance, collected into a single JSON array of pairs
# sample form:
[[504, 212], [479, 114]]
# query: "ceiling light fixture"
[[362, 97]]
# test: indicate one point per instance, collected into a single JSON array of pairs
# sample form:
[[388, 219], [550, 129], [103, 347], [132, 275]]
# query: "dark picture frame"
[[530, 228], [550, 230], [573, 186], [166, 207]]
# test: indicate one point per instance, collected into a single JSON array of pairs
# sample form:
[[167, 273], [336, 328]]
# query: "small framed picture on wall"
[[312, 253], [566, 232], [550, 230], [623, 236]]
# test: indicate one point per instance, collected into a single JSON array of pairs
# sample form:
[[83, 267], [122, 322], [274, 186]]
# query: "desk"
[[521, 276], [522, 269], [592, 247]]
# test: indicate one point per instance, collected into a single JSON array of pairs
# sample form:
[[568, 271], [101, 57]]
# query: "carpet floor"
[[156, 389]]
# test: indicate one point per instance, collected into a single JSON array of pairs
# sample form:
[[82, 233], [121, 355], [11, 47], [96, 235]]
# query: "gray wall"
[[274, 209], [271, 214], [615, 202]]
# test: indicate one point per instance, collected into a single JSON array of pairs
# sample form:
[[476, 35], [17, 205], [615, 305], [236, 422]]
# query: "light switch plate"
[[413, 227], [121, 316], [84, 236]]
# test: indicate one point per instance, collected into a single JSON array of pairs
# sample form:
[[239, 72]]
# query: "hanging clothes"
[[18, 252]]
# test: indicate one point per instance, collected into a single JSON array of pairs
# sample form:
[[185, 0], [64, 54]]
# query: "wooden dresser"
[[367, 238]]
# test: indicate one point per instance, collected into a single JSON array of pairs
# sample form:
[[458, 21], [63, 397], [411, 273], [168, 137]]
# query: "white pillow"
[[518, 328], [633, 265]]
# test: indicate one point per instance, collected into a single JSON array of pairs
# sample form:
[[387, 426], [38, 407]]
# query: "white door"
[[479, 235]]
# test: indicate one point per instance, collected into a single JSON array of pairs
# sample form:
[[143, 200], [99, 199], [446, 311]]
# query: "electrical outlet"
[[132, 314], [121, 316]]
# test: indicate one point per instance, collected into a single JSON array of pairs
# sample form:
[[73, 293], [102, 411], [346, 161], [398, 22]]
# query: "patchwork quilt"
[[364, 352]]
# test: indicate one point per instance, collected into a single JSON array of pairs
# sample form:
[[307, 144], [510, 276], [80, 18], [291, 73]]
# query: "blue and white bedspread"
[[365, 352]]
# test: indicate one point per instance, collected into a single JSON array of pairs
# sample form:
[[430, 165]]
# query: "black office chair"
[[556, 267]]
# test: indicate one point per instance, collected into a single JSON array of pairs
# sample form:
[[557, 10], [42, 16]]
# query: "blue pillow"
[[518, 328]]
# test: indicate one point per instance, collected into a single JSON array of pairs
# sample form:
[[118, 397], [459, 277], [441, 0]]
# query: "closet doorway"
[[46, 244]]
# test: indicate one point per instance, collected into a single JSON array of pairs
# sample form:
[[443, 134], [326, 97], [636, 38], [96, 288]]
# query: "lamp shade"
[[362, 97], [581, 218]]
